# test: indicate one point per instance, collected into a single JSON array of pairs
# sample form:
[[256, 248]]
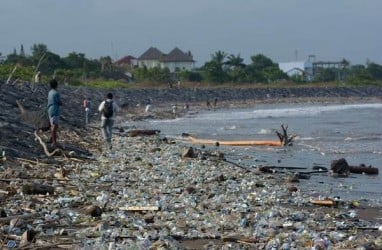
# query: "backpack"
[[108, 109]]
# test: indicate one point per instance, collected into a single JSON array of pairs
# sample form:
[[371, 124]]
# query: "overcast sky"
[[282, 30]]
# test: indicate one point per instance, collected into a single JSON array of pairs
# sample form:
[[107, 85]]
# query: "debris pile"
[[145, 194]]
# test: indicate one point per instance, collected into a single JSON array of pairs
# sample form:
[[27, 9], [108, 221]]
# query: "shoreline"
[[164, 110], [201, 201]]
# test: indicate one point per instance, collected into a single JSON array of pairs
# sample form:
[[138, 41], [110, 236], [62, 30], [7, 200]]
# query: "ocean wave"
[[364, 138], [265, 131], [309, 110]]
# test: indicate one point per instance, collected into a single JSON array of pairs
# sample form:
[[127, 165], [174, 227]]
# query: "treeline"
[[76, 69]]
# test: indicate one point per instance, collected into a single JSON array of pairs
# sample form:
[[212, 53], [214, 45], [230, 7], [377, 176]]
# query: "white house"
[[174, 61], [299, 68]]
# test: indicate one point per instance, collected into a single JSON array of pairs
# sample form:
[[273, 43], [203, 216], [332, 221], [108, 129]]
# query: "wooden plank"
[[140, 208], [323, 202]]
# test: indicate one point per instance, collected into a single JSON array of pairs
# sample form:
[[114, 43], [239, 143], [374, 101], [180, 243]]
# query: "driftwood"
[[237, 165], [37, 189], [46, 150], [362, 169], [189, 153], [139, 208], [315, 172], [11, 74], [42, 58], [339, 168], [342, 168], [283, 167], [284, 138], [138, 132], [327, 202]]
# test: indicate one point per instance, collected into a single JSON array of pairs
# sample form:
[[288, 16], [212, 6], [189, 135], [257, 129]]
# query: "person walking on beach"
[[108, 109], [86, 105], [208, 104], [215, 102], [54, 103]]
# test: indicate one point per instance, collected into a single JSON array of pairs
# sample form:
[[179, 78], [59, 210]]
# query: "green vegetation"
[[222, 70]]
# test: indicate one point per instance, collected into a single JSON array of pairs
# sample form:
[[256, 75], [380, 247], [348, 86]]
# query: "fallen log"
[[315, 172], [362, 169], [327, 202], [37, 189], [284, 167], [139, 208], [138, 132]]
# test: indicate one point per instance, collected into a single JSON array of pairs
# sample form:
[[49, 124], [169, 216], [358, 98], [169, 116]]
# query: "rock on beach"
[[137, 196]]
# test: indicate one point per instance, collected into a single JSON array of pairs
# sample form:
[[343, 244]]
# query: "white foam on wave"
[[277, 112], [305, 138], [364, 138], [309, 110], [233, 127], [265, 131]]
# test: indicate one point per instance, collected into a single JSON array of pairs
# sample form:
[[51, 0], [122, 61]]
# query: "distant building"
[[130, 61], [175, 60], [299, 68], [178, 60]]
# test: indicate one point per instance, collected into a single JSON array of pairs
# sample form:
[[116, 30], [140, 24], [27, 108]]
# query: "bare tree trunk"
[[10, 75], [42, 58]]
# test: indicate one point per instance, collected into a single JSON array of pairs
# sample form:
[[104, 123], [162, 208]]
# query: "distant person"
[[215, 102], [208, 104], [108, 109], [148, 106], [86, 105], [54, 103], [186, 107], [174, 110]]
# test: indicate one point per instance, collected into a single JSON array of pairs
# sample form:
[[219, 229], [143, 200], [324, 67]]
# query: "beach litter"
[[150, 198]]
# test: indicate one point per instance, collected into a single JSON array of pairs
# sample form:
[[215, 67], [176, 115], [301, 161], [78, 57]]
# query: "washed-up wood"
[[362, 169], [285, 139], [242, 240], [340, 167], [188, 153], [139, 132], [283, 167], [237, 165], [140, 208], [46, 150], [37, 189], [314, 172], [327, 202], [277, 169], [93, 210]]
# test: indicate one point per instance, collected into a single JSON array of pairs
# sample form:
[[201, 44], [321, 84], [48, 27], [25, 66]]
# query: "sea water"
[[325, 132]]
